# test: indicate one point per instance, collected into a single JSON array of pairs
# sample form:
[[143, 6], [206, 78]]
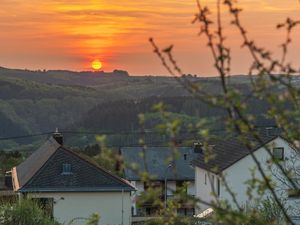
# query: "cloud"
[[116, 29]]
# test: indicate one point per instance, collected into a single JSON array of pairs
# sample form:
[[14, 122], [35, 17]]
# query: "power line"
[[25, 136], [145, 132]]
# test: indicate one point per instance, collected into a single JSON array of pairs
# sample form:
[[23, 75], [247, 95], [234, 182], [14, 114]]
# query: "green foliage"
[[8, 160], [92, 150], [177, 221], [108, 158], [26, 212], [93, 219], [237, 102], [269, 211]]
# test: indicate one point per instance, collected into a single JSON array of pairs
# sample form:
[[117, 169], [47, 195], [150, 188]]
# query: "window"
[[218, 187], [278, 153], [212, 183], [181, 212], [185, 156], [186, 211], [66, 170], [190, 212]]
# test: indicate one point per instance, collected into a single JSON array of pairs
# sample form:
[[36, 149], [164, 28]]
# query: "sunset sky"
[[70, 34]]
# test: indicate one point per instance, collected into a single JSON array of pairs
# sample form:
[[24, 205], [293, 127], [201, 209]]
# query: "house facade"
[[70, 187], [168, 174], [234, 162]]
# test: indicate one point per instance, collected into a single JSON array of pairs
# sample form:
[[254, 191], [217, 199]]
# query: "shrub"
[[25, 212]]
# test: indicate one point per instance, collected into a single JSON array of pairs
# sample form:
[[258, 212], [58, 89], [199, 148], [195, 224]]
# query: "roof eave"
[[70, 190]]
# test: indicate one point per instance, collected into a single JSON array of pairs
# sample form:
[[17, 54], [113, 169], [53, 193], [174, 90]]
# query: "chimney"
[[58, 137], [198, 147]]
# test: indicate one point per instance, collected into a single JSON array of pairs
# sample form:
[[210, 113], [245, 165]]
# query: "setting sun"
[[96, 64]]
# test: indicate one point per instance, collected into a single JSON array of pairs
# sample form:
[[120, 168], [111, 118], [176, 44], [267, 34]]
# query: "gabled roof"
[[42, 172], [157, 161], [229, 151]]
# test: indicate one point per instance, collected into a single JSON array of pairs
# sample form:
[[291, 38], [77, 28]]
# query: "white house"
[[233, 161], [70, 186], [167, 172]]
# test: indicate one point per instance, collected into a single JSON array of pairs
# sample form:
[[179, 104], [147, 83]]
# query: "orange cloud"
[[36, 33]]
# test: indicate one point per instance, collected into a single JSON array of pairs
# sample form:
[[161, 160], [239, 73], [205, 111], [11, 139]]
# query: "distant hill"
[[85, 78], [39, 101], [122, 116]]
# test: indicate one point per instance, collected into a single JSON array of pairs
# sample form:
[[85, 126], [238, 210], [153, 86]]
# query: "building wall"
[[171, 187], [140, 188], [239, 173], [203, 188], [109, 205]]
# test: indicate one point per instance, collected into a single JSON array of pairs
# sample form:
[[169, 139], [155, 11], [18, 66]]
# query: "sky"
[[70, 34]]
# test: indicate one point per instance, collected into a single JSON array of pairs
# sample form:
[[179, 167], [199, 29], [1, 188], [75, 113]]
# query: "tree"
[[273, 84]]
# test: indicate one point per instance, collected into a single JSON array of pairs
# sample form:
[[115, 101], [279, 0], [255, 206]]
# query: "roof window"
[[185, 156], [278, 153], [66, 169]]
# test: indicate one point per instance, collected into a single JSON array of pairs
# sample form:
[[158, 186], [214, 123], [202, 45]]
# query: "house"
[[69, 186], [232, 160], [168, 174]]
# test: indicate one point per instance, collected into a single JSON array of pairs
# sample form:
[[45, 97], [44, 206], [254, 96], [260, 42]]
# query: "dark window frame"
[[66, 169], [218, 186], [275, 156]]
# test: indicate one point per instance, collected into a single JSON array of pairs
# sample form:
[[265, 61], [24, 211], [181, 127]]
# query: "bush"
[[26, 212]]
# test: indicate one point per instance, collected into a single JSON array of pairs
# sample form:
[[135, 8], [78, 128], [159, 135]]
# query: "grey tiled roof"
[[35, 161], [42, 172], [157, 161], [229, 151]]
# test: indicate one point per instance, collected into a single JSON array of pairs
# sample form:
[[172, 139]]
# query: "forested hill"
[[39, 101]]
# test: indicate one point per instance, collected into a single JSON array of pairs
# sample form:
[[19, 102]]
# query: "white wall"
[[134, 195], [239, 173], [203, 189], [107, 204]]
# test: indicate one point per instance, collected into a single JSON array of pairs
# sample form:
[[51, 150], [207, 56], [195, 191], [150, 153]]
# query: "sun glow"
[[96, 64]]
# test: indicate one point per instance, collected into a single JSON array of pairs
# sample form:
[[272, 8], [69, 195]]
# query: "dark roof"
[[229, 151], [157, 161], [42, 172], [35, 161]]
